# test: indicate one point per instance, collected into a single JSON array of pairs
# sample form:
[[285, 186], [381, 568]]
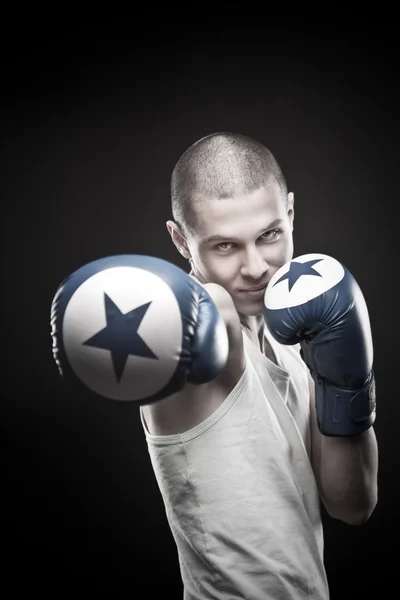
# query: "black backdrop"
[[92, 128]]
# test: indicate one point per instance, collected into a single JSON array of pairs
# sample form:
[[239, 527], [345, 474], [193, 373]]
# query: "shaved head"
[[219, 166]]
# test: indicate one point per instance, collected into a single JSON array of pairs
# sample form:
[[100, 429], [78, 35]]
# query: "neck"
[[254, 327]]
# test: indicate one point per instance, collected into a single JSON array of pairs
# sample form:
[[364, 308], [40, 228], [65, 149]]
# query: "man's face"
[[240, 243]]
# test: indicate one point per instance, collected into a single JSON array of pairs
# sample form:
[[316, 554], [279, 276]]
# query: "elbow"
[[354, 510], [354, 517], [357, 519]]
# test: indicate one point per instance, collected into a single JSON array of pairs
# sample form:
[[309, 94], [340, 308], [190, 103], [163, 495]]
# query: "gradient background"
[[92, 128]]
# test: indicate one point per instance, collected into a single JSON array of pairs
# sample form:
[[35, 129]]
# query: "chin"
[[254, 309]]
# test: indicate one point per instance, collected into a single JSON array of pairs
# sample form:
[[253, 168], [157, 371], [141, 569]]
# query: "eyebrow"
[[217, 237]]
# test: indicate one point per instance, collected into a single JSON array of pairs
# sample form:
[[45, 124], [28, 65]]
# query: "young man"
[[240, 461], [247, 435]]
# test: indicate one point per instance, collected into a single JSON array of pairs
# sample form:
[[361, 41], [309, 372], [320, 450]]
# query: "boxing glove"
[[315, 301], [135, 328]]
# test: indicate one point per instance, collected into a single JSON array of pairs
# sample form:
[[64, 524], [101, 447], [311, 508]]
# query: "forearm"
[[346, 470], [348, 476]]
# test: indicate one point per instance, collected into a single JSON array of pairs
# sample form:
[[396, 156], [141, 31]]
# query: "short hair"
[[220, 165]]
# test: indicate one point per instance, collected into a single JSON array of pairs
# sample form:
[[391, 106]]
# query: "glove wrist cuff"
[[345, 412]]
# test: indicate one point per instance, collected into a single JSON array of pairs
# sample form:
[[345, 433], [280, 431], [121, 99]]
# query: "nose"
[[254, 265]]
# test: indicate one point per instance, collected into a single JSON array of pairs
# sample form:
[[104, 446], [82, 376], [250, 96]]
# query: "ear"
[[178, 239], [290, 208]]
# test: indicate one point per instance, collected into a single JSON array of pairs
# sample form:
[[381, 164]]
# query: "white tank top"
[[239, 492]]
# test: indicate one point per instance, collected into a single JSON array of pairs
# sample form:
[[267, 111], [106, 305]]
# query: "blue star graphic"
[[120, 335], [297, 269]]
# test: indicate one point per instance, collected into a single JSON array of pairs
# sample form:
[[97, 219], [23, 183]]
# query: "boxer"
[[252, 373]]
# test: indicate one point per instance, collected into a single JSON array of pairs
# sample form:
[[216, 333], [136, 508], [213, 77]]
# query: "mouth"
[[256, 292]]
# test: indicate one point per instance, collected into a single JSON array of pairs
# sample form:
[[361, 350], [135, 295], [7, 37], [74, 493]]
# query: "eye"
[[271, 235], [223, 246]]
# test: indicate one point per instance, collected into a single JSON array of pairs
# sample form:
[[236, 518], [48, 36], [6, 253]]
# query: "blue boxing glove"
[[136, 328], [314, 300]]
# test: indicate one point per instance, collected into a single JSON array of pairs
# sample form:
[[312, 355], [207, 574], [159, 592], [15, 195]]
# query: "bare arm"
[[346, 471], [190, 406]]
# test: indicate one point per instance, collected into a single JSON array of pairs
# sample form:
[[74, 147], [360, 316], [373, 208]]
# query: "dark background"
[[92, 128]]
